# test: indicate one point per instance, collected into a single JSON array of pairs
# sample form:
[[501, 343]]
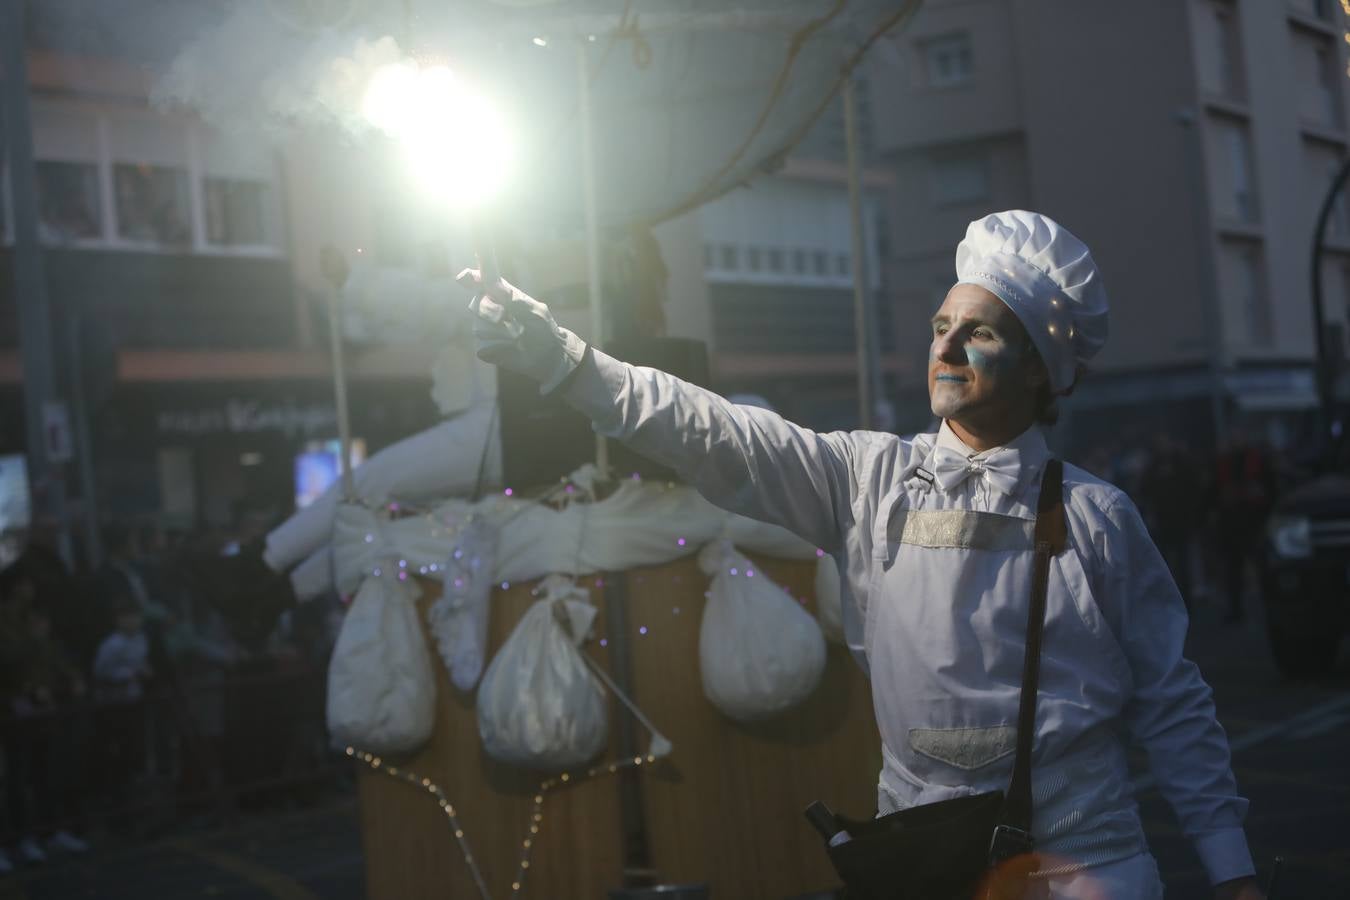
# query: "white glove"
[[517, 332]]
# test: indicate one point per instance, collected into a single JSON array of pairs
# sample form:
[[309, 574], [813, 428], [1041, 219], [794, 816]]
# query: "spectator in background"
[[1169, 491], [43, 742], [1243, 494], [121, 669], [132, 574], [202, 652]]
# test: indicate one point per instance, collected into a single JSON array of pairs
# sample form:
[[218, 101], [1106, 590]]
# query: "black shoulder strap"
[[1051, 538]]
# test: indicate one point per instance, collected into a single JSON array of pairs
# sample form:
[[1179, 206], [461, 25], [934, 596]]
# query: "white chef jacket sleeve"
[[1171, 709], [744, 459]]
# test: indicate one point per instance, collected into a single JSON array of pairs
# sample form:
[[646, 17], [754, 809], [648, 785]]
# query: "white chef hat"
[[1047, 278]]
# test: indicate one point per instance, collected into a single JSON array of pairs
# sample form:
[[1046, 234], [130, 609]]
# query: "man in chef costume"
[[931, 534]]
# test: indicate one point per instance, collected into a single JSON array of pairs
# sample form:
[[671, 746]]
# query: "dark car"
[[1305, 575]]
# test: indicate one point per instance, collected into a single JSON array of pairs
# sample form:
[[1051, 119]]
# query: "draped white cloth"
[[375, 552], [442, 461], [641, 524]]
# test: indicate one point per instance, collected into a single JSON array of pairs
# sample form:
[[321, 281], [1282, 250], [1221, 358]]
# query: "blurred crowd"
[[1206, 512], [177, 679]]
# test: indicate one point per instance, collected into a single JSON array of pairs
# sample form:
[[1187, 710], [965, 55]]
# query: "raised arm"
[[747, 460]]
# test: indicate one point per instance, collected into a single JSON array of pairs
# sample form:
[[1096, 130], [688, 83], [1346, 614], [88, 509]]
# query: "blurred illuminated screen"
[[317, 468], [15, 512]]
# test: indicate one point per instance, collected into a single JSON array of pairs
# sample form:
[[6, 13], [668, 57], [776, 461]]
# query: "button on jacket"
[[934, 546]]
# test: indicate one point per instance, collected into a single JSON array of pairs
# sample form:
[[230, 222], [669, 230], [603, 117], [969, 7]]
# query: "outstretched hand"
[[517, 332]]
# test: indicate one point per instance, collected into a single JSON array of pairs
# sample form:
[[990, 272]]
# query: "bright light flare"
[[456, 144]]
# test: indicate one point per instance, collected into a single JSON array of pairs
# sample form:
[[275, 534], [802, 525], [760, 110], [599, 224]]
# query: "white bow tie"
[[1001, 469]]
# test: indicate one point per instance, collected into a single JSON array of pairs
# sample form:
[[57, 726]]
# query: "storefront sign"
[[236, 416]]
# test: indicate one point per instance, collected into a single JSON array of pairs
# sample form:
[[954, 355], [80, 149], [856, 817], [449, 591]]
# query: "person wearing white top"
[[932, 536]]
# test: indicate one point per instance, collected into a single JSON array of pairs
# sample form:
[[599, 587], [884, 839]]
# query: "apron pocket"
[[964, 748]]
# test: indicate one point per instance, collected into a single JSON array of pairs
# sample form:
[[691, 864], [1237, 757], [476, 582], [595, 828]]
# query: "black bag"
[[968, 848]]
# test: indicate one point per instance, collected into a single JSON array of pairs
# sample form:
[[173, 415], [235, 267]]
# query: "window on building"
[[1235, 184], [238, 191], [1328, 86], [236, 212], [1317, 77], [754, 258], [1338, 223], [150, 158], [841, 265], [730, 257], [151, 203], [69, 206], [1320, 9], [799, 261], [948, 60], [960, 178], [775, 256], [820, 263], [1247, 284], [1220, 50]]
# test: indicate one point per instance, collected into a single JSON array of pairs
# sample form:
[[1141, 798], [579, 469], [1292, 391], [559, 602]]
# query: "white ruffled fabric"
[[442, 461], [459, 619], [539, 706], [759, 652]]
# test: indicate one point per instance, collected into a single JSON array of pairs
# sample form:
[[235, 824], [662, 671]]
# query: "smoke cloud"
[[260, 71]]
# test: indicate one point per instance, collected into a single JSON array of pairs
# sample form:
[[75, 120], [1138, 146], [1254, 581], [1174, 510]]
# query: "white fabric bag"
[[381, 696], [759, 652], [539, 706]]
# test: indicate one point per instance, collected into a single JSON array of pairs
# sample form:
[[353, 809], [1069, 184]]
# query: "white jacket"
[[935, 585]]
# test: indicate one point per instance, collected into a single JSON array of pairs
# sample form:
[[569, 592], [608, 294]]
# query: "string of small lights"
[[426, 784], [565, 779]]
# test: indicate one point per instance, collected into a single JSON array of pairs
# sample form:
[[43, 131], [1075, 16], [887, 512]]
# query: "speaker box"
[[544, 439]]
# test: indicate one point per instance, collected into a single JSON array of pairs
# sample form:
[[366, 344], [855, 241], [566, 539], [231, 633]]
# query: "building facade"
[[1189, 144], [764, 275], [189, 325]]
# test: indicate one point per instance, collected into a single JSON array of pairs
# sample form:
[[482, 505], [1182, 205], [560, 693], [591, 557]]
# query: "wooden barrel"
[[725, 808]]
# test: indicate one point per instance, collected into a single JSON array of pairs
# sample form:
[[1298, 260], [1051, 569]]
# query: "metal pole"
[[1325, 375], [861, 319], [84, 447], [334, 267], [30, 277], [593, 274]]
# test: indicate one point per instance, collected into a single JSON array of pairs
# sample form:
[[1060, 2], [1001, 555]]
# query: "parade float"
[[558, 688]]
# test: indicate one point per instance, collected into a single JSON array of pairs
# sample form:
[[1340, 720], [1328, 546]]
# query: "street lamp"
[[456, 144], [1325, 359]]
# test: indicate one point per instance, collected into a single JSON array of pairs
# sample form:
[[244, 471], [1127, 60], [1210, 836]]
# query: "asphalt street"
[[1291, 756], [1291, 742]]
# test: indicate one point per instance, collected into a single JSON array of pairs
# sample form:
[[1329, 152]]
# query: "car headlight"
[[1290, 536]]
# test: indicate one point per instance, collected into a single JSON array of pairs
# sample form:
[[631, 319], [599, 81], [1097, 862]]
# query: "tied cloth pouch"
[[968, 848]]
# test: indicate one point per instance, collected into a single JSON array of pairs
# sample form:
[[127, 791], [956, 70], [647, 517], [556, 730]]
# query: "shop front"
[[240, 455]]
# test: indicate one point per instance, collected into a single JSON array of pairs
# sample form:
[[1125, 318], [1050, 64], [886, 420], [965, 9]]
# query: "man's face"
[[981, 366]]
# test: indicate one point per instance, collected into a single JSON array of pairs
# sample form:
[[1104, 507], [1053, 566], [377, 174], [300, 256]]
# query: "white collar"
[[1030, 445]]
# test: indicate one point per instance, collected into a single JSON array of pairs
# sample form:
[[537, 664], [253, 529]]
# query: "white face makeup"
[[978, 362]]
